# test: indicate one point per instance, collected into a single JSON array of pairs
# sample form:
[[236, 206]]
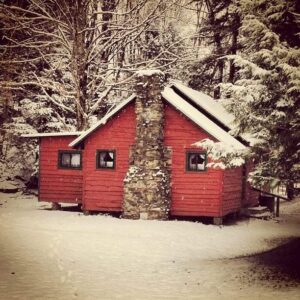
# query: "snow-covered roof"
[[49, 134], [201, 100], [102, 121], [207, 104], [200, 119]]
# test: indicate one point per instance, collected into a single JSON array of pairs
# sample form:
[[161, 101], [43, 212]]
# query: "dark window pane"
[[65, 159], [201, 162], [196, 161], [192, 166], [69, 160], [101, 159], [109, 158], [106, 159]]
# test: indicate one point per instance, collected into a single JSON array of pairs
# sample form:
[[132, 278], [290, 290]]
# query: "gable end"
[[206, 113]]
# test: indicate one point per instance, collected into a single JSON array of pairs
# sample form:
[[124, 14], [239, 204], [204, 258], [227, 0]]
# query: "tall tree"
[[219, 33], [261, 83], [63, 62], [91, 40], [265, 96]]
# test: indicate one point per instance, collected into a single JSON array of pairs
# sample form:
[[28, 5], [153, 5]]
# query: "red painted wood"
[[232, 190], [193, 194], [103, 189], [212, 193], [55, 184]]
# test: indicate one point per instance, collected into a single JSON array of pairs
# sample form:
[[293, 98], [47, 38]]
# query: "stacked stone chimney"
[[147, 183]]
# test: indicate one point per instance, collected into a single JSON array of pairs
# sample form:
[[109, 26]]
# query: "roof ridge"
[[199, 117]]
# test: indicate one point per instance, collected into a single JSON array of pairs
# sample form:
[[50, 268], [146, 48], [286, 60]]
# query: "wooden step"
[[259, 212]]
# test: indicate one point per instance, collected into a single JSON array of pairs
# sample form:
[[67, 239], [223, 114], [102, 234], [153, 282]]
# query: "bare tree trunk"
[[85, 42], [220, 63], [234, 46], [79, 58], [107, 7]]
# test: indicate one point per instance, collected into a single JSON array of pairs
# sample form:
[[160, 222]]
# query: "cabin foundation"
[[218, 221], [55, 206]]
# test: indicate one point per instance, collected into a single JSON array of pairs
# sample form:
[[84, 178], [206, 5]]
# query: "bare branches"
[[98, 44]]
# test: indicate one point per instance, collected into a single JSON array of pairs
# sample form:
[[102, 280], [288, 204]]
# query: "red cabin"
[[60, 168], [90, 167]]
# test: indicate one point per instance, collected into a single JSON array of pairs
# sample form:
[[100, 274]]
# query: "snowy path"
[[65, 255]]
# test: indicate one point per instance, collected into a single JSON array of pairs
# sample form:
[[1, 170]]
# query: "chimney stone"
[[147, 182]]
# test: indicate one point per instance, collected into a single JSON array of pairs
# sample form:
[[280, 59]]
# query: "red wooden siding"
[[193, 193], [103, 189], [232, 190], [212, 193], [55, 184]]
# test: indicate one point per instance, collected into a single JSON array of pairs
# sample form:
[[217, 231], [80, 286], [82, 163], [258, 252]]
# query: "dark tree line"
[[253, 64]]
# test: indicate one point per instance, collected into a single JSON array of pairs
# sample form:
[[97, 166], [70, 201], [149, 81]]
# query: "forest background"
[[64, 64]]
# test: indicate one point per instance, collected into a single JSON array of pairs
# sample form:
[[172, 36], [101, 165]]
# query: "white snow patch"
[[65, 255], [149, 72], [49, 134], [223, 155], [207, 103], [7, 186]]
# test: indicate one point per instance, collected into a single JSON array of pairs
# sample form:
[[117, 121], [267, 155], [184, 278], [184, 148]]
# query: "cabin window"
[[196, 161], [106, 159], [69, 159]]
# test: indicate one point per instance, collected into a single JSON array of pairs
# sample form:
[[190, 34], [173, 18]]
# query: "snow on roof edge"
[[102, 121], [200, 119], [50, 134], [187, 109], [208, 104], [215, 109]]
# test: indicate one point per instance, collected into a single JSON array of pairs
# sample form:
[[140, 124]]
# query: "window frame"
[[59, 162], [98, 167], [187, 158]]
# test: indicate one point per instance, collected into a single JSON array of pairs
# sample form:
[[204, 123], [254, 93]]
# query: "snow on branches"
[[222, 155]]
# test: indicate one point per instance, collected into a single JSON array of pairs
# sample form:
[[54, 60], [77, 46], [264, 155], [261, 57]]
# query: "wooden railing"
[[276, 196]]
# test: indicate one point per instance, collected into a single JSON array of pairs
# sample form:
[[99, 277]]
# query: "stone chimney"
[[147, 183]]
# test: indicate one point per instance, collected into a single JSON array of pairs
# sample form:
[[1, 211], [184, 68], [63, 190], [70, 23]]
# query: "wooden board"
[[56, 184]]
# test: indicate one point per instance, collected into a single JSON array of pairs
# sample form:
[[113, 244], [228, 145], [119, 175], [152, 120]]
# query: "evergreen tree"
[[256, 65], [219, 32], [265, 96]]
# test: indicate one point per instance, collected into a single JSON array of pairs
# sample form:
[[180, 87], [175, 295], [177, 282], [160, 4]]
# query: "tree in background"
[[265, 97], [82, 51], [260, 81], [218, 32], [65, 63]]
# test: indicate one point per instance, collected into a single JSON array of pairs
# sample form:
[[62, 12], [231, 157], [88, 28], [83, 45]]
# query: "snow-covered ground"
[[65, 255]]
